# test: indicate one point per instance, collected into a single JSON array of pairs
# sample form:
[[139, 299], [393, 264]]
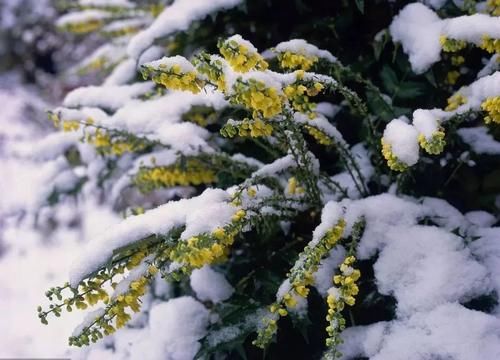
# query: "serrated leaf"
[[389, 79]]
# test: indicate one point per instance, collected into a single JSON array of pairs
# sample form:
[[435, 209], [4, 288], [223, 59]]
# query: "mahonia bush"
[[295, 173]]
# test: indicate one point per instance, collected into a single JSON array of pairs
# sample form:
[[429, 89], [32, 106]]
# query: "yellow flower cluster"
[[435, 145], [83, 27], [455, 101], [490, 45], [247, 127], [174, 78], [493, 7], [294, 61], [117, 311], [98, 63], [123, 31], [107, 144], [193, 172], [241, 58], [204, 249], [70, 125], [338, 297], [492, 106], [392, 161], [451, 45], [452, 77], [298, 95], [318, 135], [292, 187], [130, 299], [457, 60], [91, 291], [156, 9], [255, 95], [301, 277]]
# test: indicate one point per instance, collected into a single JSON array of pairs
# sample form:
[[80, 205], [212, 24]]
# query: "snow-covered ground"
[[33, 256]]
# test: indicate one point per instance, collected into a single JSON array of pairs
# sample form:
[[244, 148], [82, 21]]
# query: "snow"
[[48, 148], [487, 249], [419, 28], [490, 66], [176, 17], [403, 140], [107, 3], [480, 141], [240, 41], [424, 266], [327, 109], [323, 277], [425, 122], [448, 332], [167, 62], [381, 213], [362, 340], [302, 47], [107, 97], [82, 17], [481, 218], [210, 285], [331, 214], [173, 330]]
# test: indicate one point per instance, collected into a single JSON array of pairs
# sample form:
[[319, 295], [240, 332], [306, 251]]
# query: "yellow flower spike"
[[293, 61], [435, 145], [492, 107], [240, 57], [451, 45], [289, 300], [70, 125], [292, 185], [452, 77], [490, 45], [251, 192], [392, 161], [350, 300], [219, 233], [301, 290], [455, 101]]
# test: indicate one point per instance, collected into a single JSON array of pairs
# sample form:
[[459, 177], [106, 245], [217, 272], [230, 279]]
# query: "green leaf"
[[379, 106], [360, 4], [379, 45], [389, 79], [410, 90], [429, 75]]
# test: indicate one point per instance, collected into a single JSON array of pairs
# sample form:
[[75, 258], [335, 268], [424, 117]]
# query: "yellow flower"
[[240, 57], [490, 45], [392, 161], [455, 101], [293, 61], [435, 144], [492, 106], [451, 45]]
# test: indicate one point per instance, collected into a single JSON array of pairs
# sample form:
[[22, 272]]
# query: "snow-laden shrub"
[[240, 188]]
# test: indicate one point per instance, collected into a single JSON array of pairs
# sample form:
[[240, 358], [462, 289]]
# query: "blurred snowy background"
[[36, 245]]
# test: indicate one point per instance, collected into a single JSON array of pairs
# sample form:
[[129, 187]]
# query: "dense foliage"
[[312, 178]]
